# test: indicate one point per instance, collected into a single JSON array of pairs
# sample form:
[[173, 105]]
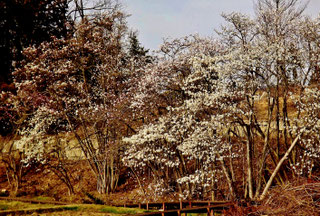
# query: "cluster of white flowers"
[[225, 88]]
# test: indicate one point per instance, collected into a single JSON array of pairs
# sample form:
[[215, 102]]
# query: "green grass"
[[110, 209], [42, 198], [79, 208], [14, 205], [197, 214], [202, 214], [4, 207], [120, 210], [71, 208]]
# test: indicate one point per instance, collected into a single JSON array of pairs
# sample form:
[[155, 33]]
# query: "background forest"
[[222, 118]]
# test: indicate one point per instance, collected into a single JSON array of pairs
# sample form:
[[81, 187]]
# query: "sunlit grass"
[[43, 198], [110, 209], [80, 208], [116, 210], [14, 205]]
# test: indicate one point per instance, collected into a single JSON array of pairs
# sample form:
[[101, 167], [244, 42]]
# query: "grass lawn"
[[74, 210]]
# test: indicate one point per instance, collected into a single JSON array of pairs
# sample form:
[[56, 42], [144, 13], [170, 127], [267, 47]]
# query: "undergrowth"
[[290, 199]]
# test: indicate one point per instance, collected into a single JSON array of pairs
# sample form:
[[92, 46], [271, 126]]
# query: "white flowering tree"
[[235, 107], [162, 146], [159, 84], [79, 85]]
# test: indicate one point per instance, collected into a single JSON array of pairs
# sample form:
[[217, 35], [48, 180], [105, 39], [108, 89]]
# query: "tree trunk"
[[276, 170], [265, 146], [249, 161], [228, 177]]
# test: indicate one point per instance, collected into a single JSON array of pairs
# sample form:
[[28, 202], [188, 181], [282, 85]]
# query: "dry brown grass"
[[262, 108], [303, 199]]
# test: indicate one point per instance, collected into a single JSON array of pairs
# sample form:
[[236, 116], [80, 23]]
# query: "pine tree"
[[135, 48], [24, 23]]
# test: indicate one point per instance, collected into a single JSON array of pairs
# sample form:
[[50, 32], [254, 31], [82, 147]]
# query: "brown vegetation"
[[299, 198]]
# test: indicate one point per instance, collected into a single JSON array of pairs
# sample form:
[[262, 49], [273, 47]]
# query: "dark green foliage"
[[71, 208], [4, 207], [28, 22], [135, 49], [95, 199]]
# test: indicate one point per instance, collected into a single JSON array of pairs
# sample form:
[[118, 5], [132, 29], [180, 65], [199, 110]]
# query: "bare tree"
[[79, 9]]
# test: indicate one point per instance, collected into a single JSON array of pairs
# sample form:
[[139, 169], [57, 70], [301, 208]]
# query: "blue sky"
[[158, 19]]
